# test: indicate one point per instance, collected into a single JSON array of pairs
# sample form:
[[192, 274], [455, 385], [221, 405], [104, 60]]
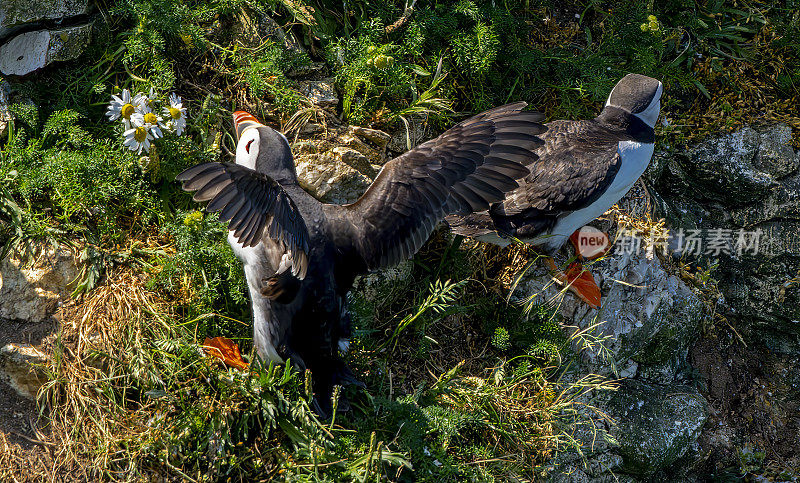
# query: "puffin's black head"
[[640, 95], [263, 149]]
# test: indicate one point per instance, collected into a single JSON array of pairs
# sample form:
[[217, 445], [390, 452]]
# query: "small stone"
[[374, 285], [375, 136], [322, 92], [18, 368], [32, 293], [31, 51], [329, 179], [355, 160], [369, 142]]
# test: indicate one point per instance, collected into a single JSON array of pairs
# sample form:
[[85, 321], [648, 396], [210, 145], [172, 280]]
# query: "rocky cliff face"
[[688, 349], [748, 181]]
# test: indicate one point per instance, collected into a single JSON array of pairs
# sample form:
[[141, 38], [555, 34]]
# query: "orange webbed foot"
[[225, 350], [579, 281]]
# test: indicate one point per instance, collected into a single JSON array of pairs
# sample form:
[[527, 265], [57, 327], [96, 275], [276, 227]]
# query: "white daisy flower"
[[124, 107], [154, 122], [139, 136], [176, 113], [151, 99]]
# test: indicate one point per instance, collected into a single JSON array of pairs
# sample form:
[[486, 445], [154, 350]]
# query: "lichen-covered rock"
[[340, 169], [31, 51], [655, 425], [32, 293], [321, 92], [355, 160], [369, 142], [744, 181], [329, 179], [18, 368], [724, 169], [371, 286], [648, 315], [16, 13]]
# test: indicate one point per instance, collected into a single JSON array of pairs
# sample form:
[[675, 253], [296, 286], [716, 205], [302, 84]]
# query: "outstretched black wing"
[[254, 205], [576, 165], [462, 171]]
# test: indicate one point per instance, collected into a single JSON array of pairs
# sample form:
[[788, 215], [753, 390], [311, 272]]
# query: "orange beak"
[[243, 120]]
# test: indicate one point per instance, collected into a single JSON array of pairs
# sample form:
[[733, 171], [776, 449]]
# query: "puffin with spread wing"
[[301, 256], [584, 167]]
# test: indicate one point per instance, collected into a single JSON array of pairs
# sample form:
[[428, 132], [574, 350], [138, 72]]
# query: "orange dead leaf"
[[226, 350]]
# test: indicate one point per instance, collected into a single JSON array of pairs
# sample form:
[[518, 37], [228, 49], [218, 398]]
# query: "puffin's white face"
[[650, 114], [247, 148]]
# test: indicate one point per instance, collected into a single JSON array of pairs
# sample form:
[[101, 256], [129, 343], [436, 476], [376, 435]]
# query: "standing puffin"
[[583, 168], [301, 256]]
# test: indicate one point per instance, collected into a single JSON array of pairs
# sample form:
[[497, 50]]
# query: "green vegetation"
[[461, 386]]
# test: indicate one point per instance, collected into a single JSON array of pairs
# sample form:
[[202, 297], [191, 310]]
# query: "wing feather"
[[464, 170], [577, 163], [254, 206]]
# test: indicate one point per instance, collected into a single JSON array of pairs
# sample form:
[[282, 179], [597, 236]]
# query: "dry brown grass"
[[89, 415], [746, 91]]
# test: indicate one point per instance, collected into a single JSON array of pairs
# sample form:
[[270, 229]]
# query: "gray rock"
[[647, 316], [31, 51], [369, 142], [656, 424], [355, 160], [372, 286], [321, 92], [329, 179], [18, 368], [756, 190], [725, 168], [32, 293], [16, 13], [343, 172]]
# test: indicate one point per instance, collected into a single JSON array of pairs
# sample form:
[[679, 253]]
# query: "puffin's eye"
[[247, 147]]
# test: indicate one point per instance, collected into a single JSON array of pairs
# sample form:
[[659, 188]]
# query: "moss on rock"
[[655, 424]]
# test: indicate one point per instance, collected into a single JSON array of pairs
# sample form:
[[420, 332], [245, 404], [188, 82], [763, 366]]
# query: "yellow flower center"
[[127, 110], [140, 135], [150, 118], [175, 113]]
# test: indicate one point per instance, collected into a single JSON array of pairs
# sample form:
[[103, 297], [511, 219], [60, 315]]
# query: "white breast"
[[635, 157], [254, 260]]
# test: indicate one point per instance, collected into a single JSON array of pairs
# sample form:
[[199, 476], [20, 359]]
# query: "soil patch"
[[21, 448]]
